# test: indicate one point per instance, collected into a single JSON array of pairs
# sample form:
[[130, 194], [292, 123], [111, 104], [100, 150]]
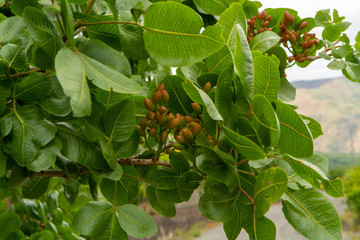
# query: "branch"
[[24, 74], [89, 5], [143, 162]]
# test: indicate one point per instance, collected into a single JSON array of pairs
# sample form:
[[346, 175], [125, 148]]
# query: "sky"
[[308, 8]]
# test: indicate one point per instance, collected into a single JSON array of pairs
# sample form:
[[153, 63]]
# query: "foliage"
[[352, 188], [92, 117]]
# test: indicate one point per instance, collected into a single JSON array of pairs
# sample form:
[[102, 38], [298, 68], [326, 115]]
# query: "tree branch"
[[24, 74]]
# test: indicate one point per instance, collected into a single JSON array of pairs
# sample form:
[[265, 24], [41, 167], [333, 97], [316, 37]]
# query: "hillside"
[[335, 104]]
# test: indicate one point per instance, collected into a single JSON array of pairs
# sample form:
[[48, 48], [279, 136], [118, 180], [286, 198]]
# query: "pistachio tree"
[[105, 104]]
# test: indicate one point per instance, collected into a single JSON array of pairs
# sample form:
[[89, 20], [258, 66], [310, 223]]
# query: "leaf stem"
[[245, 172]]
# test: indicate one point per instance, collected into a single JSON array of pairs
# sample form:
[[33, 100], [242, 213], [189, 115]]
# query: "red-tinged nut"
[[207, 87], [191, 125], [293, 38], [163, 136], [287, 32], [258, 15], [179, 139], [287, 16], [158, 118], [248, 29], [174, 123], [156, 97], [303, 25], [152, 132], [188, 135], [165, 96], [250, 39], [142, 123], [150, 124], [149, 105], [160, 87], [297, 57], [162, 109], [269, 29], [304, 45], [253, 17], [290, 59], [196, 130], [302, 59], [188, 119], [312, 35], [305, 35], [310, 43], [169, 118], [297, 33], [141, 131], [263, 15], [150, 115], [168, 150], [260, 30], [182, 121], [264, 24], [253, 23], [286, 37], [316, 42], [291, 20], [196, 107], [268, 18], [178, 146], [285, 44], [248, 21]]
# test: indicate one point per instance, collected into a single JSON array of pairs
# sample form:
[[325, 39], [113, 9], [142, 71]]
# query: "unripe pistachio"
[[165, 96], [268, 18], [287, 16], [291, 59], [312, 35], [150, 124], [163, 136], [282, 26], [260, 30], [188, 135], [258, 15], [160, 87], [150, 115], [152, 132], [304, 45], [263, 15], [178, 146], [303, 25], [141, 131], [162, 109], [286, 37], [179, 139], [316, 42], [156, 97], [264, 24], [293, 38], [158, 118], [196, 107], [207, 87], [310, 43], [142, 123], [168, 150], [248, 21], [188, 119], [297, 57], [196, 130], [169, 118], [302, 59], [149, 105], [174, 123]]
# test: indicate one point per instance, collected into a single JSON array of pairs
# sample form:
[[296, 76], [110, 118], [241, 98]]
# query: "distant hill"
[[335, 103]]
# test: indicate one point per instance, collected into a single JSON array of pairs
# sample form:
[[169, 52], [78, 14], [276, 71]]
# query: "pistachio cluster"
[[298, 41], [258, 24]]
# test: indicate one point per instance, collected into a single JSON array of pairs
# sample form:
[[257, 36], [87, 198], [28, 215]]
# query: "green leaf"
[[179, 163], [108, 79], [246, 129], [100, 52], [331, 33], [163, 179], [19, 175], [92, 218], [68, 21], [218, 207], [187, 183], [114, 191], [265, 121], [35, 188], [295, 137], [319, 215], [336, 65], [334, 187], [212, 7], [14, 55], [3, 161], [44, 234], [33, 88], [136, 222], [10, 224], [215, 167], [71, 74], [129, 147], [233, 227], [174, 44], [3, 98], [244, 146], [30, 132], [264, 41], [11, 28], [44, 32], [111, 231], [46, 157], [18, 6], [199, 96], [287, 92], [314, 126], [323, 18], [220, 60], [223, 100], [160, 201], [132, 41], [267, 77], [269, 187], [180, 101], [119, 121]]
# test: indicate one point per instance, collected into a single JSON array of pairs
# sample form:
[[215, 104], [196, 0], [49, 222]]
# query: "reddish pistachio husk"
[[207, 87], [158, 118], [268, 18], [297, 57], [196, 130], [152, 132], [293, 37], [165, 96], [188, 135], [303, 25], [149, 115], [310, 43], [179, 139], [174, 123], [141, 131], [302, 59], [291, 59], [264, 24], [258, 15], [196, 107], [150, 124], [178, 146], [149, 105], [188, 119], [156, 97], [162, 109], [304, 45], [160, 87], [292, 20], [263, 15], [163, 136], [169, 118], [287, 15], [142, 123]]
